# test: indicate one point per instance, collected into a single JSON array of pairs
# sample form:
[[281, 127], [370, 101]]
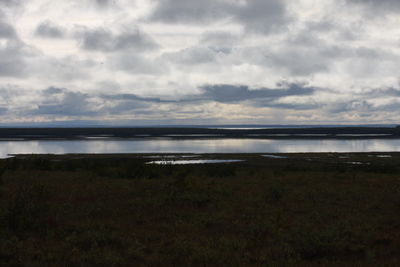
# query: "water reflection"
[[196, 146], [193, 161], [274, 156]]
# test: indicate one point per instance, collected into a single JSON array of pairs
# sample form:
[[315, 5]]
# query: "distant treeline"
[[196, 133]]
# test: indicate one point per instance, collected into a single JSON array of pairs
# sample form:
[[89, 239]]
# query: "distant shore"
[[16, 134]]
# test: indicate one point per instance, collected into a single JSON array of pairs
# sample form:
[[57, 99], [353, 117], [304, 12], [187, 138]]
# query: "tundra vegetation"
[[116, 210]]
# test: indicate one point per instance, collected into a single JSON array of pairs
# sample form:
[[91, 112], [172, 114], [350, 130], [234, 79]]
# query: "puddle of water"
[[193, 135], [361, 135], [271, 135], [170, 156], [96, 137], [274, 157], [311, 135], [358, 163], [182, 162]]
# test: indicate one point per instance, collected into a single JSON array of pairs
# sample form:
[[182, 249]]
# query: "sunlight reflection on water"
[[196, 146], [200, 161]]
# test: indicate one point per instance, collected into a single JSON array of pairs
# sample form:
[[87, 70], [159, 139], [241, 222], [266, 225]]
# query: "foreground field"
[[115, 210]]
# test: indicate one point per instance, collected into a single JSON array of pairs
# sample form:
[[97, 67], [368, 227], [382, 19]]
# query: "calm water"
[[197, 146]]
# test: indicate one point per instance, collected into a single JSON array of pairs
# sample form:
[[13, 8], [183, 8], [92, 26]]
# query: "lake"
[[196, 146]]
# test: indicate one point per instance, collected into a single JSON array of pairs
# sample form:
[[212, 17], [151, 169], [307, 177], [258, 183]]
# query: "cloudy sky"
[[200, 62]]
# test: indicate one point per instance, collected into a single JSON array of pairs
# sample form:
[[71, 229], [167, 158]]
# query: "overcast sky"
[[200, 62]]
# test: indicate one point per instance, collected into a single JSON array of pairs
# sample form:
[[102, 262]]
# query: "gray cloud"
[[219, 38], [53, 90], [124, 106], [361, 107], [8, 3], [3, 111], [381, 92], [136, 98], [136, 64], [349, 106], [299, 61], [191, 11], [67, 103], [12, 60], [267, 103], [226, 93], [105, 3], [48, 29], [263, 15], [378, 5], [219, 41], [303, 54], [192, 56], [62, 69], [307, 54], [58, 102], [7, 31], [101, 39], [291, 106]]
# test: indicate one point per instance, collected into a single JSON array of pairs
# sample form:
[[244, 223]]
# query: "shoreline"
[[25, 134]]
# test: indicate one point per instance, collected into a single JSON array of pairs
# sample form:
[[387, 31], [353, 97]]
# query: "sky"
[[137, 62]]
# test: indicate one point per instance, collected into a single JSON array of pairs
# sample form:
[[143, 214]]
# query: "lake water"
[[197, 146]]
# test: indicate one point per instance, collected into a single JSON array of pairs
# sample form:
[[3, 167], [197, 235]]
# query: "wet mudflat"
[[300, 209]]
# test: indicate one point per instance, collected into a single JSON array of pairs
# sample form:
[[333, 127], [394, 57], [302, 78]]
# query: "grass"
[[117, 211]]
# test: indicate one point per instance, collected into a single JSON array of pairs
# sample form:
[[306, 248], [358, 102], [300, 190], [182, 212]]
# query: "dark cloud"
[[48, 29], [390, 92], [191, 11], [378, 5], [136, 98], [263, 15], [3, 111], [9, 3], [381, 92], [57, 102], [61, 102], [105, 3], [349, 106], [101, 39], [226, 93], [98, 39], [53, 90], [68, 104], [7, 31]]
